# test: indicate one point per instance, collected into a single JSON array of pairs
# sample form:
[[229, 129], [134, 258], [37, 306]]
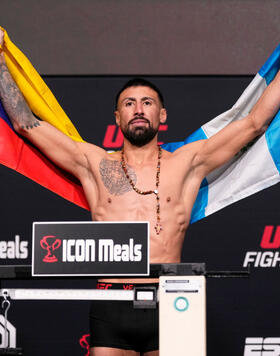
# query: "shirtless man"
[[114, 183]]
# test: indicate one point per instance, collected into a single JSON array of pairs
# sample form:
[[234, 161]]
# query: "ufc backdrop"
[[242, 313]]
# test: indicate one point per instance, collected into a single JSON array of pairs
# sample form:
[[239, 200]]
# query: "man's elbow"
[[257, 127], [16, 126], [20, 128], [24, 125]]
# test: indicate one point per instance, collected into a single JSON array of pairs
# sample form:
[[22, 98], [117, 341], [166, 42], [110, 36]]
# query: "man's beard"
[[139, 136]]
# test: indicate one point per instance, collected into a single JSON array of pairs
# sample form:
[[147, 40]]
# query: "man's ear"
[[162, 115], [117, 117]]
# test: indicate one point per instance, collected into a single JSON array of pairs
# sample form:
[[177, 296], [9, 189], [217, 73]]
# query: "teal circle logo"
[[181, 304]]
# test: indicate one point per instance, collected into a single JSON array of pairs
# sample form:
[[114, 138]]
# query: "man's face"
[[139, 114]]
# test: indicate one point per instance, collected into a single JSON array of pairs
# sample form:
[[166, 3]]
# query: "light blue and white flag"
[[256, 167]]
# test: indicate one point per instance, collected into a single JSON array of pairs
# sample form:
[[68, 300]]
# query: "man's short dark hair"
[[139, 82]]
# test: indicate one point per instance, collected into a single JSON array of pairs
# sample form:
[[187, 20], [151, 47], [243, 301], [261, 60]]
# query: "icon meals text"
[[104, 250]]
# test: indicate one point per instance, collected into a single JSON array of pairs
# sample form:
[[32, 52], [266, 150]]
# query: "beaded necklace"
[[158, 226]]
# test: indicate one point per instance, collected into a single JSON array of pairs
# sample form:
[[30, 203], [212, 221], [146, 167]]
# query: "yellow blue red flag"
[[15, 152]]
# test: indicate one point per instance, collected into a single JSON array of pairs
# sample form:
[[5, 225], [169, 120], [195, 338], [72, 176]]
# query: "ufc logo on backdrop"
[[114, 138], [271, 237], [270, 241], [258, 346]]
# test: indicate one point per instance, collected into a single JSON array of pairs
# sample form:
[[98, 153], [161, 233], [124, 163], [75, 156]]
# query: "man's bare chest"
[[145, 180]]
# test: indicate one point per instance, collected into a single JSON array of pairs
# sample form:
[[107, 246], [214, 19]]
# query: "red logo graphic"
[[100, 285], [50, 243], [84, 342], [270, 241], [114, 138]]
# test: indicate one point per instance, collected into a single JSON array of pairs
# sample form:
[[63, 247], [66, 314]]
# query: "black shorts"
[[117, 324]]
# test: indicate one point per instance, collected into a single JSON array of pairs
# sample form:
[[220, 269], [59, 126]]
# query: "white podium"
[[182, 316]]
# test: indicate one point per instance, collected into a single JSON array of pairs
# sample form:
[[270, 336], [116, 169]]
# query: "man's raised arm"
[[60, 148], [222, 146]]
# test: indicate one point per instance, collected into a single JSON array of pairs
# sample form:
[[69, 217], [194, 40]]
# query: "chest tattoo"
[[113, 177]]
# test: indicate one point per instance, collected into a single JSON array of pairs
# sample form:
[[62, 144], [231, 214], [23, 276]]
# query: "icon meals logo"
[[259, 346], [77, 248], [50, 243], [270, 241], [81, 250]]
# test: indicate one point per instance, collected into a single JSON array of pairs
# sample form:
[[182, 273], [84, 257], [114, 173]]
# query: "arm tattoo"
[[13, 101], [113, 177], [31, 124]]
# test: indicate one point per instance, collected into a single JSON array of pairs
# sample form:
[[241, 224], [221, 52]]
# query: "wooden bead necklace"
[[158, 226]]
